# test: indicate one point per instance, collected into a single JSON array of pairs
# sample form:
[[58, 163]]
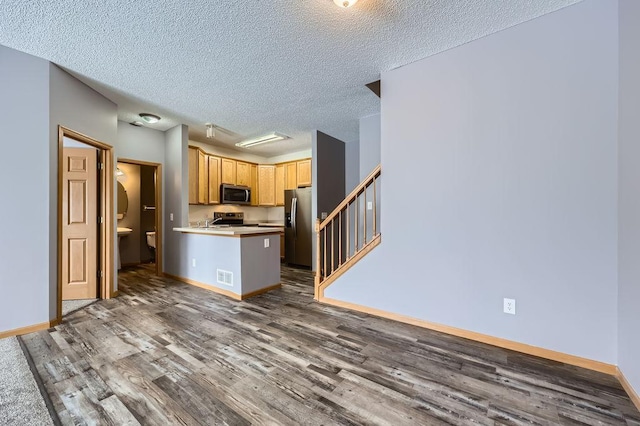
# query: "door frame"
[[106, 229], [158, 198]]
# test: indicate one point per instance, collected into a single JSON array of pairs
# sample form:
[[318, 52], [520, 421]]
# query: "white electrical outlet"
[[509, 306], [171, 217], [193, 262], [369, 205], [266, 243], [323, 215]]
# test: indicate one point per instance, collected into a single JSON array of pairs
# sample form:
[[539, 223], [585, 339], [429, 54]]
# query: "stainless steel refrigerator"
[[298, 229]]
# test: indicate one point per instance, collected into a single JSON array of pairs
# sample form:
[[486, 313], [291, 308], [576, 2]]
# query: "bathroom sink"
[[124, 231]]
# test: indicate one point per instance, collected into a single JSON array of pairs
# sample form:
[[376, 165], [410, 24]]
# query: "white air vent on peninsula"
[[225, 277]]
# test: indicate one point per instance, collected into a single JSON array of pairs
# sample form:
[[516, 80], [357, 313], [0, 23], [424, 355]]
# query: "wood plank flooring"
[[168, 353]]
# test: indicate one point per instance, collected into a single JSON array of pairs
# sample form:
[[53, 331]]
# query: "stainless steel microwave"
[[231, 194]]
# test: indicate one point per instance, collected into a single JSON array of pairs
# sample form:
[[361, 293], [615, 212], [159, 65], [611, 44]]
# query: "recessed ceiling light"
[[345, 3], [149, 118], [136, 123], [271, 137]]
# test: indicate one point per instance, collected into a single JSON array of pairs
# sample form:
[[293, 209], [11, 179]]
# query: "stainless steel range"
[[228, 218]]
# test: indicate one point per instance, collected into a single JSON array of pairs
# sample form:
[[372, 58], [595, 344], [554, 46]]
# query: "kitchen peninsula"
[[237, 261]]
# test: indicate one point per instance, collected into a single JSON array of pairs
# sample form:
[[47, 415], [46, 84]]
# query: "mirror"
[[123, 201]]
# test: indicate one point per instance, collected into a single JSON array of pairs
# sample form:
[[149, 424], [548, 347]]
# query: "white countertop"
[[232, 230], [274, 224]]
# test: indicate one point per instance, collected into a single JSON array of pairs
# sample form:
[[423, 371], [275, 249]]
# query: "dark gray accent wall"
[[27, 233], [629, 196], [330, 172], [176, 201]]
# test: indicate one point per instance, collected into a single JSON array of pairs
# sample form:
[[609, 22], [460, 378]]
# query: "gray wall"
[[27, 234], [76, 106], [176, 199], [510, 143], [629, 198], [369, 144]]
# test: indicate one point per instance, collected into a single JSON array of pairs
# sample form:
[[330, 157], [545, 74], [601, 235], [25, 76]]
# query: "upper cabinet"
[[304, 173], [243, 173], [198, 177], [214, 179], [268, 182], [280, 172], [266, 185], [254, 185], [291, 175], [228, 173]]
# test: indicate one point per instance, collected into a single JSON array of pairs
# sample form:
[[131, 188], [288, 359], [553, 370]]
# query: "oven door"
[[230, 194]]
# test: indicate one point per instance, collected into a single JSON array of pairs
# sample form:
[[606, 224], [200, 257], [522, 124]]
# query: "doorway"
[[85, 218], [139, 214]]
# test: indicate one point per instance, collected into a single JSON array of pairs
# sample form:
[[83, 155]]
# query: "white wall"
[[629, 198], [369, 144], [503, 152], [25, 227]]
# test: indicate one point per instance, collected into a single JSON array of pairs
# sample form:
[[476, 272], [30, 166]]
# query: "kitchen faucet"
[[207, 223]]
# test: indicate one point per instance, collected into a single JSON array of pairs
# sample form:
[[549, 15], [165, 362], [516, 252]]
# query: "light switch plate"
[[369, 205], [266, 243], [171, 217], [323, 215], [193, 262]]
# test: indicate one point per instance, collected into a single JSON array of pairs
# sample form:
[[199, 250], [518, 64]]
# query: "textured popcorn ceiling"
[[250, 66]]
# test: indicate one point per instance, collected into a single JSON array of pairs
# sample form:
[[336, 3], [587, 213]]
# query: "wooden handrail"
[[352, 195], [332, 259]]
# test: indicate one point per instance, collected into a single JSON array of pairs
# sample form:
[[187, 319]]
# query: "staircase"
[[347, 234]]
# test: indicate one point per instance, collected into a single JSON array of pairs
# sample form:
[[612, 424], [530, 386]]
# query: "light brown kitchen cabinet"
[[266, 185], [254, 185], [304, 173], [214, 179], [243, 173], [280, 185], [203, 178], [291, 175], [228, 171], [198, 176]]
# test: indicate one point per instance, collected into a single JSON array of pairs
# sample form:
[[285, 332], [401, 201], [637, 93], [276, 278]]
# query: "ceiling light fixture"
[[272, 137], [345, 3], [211, 130], [149, 118], [119, 172], [136, 123]]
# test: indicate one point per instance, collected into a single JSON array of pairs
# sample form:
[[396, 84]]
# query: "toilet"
[[151, 239], [151, 242]]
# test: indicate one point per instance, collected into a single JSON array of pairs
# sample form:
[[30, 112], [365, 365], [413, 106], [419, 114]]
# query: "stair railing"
[[349, 232]]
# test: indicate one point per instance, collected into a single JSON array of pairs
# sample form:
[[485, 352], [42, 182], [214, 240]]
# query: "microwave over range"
[[232, 194]]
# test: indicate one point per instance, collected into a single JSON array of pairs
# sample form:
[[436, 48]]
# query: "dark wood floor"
[[168, 353]]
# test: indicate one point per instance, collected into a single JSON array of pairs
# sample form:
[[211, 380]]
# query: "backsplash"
[[251, 214]]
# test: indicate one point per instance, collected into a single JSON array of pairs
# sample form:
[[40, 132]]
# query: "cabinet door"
[[280, 185], [304, 173], [193, 176], [291, 175], [254, 185], [214, 180], [228, 174], [266, 185], [243, 173], [203, 178]]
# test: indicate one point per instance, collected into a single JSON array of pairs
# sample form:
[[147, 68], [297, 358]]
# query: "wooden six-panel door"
[[79, 223]]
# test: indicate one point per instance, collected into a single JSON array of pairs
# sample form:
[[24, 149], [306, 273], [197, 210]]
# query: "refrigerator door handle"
[[294, 208]]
